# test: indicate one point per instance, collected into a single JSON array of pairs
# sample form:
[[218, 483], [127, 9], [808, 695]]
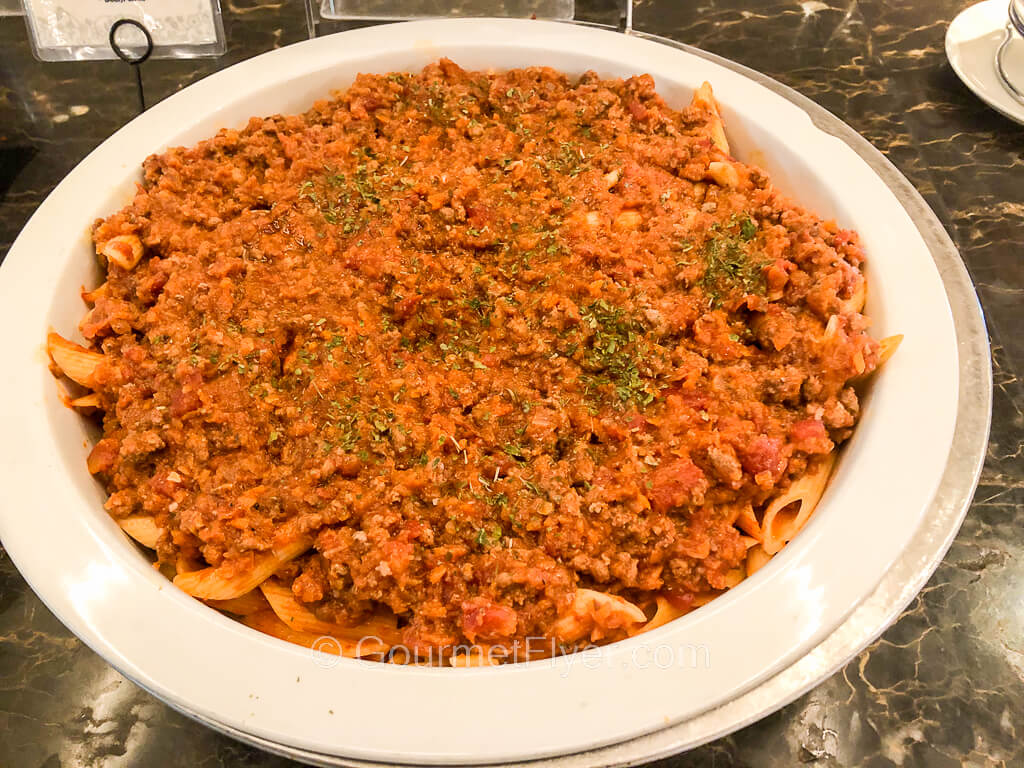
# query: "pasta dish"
[[464, 368]]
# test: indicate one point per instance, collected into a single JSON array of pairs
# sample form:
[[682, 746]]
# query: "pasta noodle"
[[724, 174], [888, 346], [787, 513], [91, 297], [124, 250], [293, 614], [747, 522], [244, 605], [92, 400], [142, 528], [268, 623], [856, 302], [703, 598], [757, 558], [705, 99], [473, 658], [224, 582], [75, 361], [597, 614], [664, 613], [404, 657]]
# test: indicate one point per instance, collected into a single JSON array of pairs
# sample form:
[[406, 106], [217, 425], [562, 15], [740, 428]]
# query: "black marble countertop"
[[943, 687]]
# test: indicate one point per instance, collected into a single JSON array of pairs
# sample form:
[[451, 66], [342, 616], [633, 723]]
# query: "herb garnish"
[[489, 537], [730, 266], [613, 350]]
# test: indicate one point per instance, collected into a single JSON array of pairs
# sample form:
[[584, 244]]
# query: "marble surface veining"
[[943, 687]]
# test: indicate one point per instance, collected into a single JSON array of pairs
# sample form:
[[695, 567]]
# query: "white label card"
[[175, 25]]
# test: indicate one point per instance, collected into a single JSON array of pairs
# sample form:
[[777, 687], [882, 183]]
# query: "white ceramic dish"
[[972, 40], [77, 560]]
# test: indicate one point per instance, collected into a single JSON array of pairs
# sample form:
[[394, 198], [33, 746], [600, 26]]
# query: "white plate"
[[77, 560], [972, 40]]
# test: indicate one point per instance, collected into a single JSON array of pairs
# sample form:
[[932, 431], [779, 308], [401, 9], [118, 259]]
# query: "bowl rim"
[[953, 274]]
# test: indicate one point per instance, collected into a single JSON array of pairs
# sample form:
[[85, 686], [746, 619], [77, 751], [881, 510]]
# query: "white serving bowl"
[[53, 524]]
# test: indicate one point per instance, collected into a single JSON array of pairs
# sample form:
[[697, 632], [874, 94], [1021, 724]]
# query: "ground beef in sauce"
[[485, 338]]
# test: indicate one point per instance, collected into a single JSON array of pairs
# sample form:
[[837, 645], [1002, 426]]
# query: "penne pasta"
[[757, 558], [703, 598], [142, 528], [627, 221], [75, 361], [887, 347], [90, 297], [831, 328], [473, 658], [268, 623], [723, 174], [404, 657], [597, 614], [92, 400], [224, 582], [297, 616], [664, 613], [747, 522], [734, 577], [788, 513], [247, 604], [124, 250], [856, 302], [705, 99], [749, 542], [186, 564]]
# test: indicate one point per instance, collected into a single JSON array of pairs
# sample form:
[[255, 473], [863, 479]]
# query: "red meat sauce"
[[484, 338]]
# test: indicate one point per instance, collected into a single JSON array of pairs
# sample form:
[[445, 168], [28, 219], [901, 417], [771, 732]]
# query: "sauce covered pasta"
[[461, 359]]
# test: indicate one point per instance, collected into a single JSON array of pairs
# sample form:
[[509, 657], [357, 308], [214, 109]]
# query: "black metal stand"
[[135, 62]]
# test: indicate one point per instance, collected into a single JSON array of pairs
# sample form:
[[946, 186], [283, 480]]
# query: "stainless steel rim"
[[905, 577]]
